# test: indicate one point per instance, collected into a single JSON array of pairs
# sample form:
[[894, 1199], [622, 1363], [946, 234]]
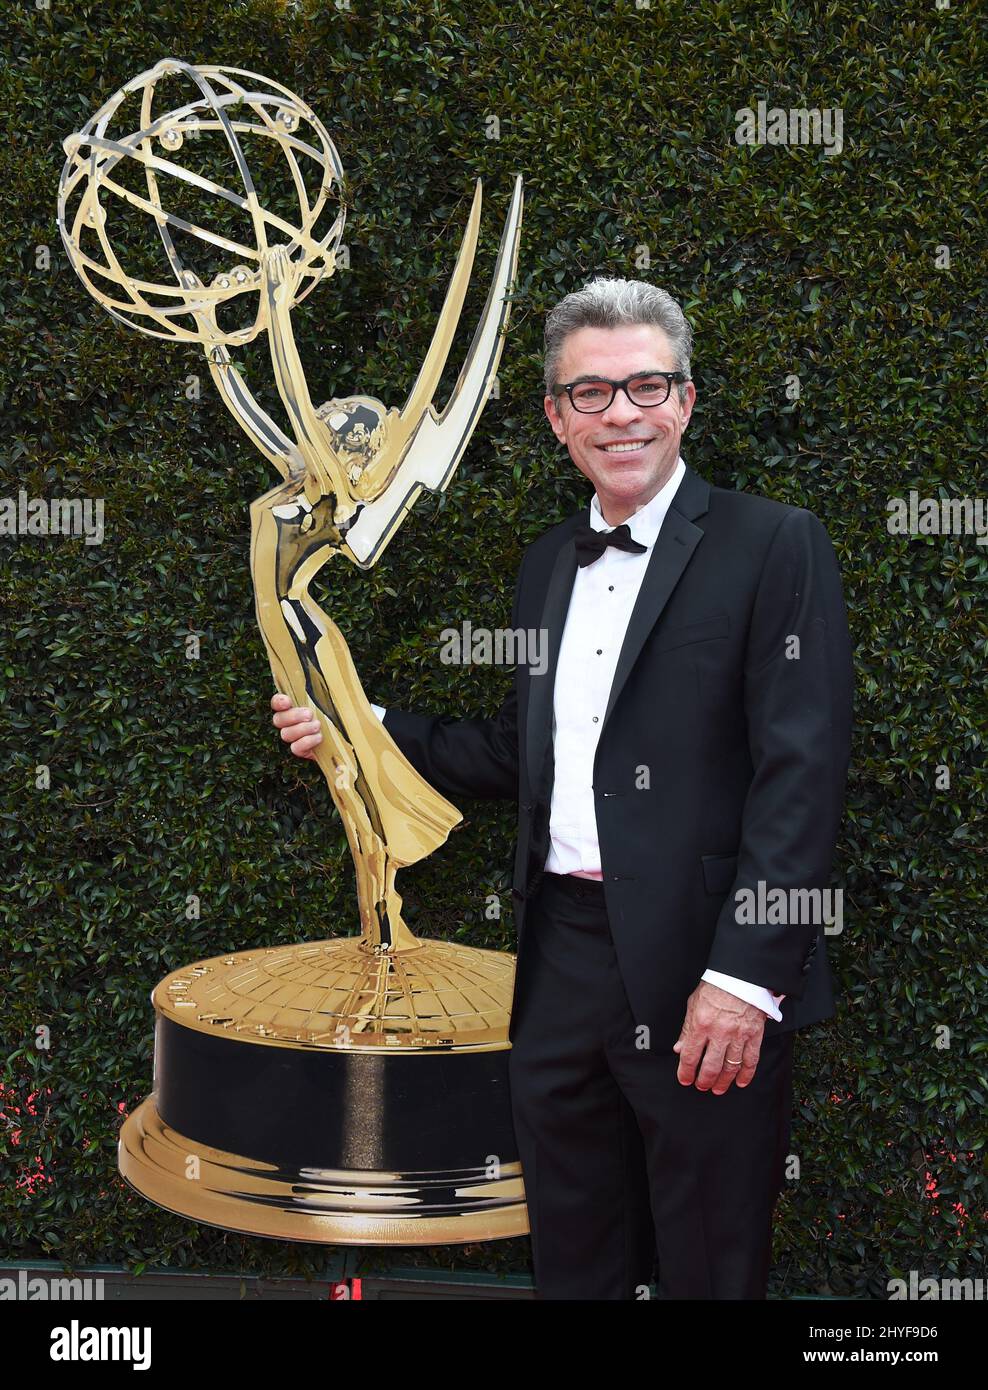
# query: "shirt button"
[[598, 651], [596, 720], [610, 588]]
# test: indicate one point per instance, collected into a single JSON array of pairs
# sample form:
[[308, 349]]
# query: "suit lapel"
[[671, 553], [553, 620]]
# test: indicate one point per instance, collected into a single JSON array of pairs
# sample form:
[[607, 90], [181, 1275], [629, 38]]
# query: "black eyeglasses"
[[592, 395]]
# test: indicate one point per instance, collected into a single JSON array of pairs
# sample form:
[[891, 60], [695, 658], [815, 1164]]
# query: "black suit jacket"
[[746, 749]]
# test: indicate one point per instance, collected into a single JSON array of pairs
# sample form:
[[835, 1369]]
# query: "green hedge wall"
[[166, 776]]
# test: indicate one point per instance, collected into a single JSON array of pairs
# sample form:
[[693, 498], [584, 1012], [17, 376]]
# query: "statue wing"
[[428, 445]]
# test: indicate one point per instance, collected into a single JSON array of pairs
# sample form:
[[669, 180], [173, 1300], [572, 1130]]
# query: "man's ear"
[[554, 418], [687, 405]]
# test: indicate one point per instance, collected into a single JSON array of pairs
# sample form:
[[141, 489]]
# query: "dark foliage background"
[[166, 777]]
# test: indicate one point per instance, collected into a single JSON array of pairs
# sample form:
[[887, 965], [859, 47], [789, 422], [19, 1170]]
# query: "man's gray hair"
[[609, 303]]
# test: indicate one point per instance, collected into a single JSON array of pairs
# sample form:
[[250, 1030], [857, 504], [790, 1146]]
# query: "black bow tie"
[[591, 544]]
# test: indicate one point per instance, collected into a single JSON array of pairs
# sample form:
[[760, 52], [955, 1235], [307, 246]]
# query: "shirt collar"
[[645, 523]]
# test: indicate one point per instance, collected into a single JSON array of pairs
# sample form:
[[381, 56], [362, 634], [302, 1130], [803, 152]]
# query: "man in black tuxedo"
[[680, 761]]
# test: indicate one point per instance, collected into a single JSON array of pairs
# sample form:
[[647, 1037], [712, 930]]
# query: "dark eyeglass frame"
[[568, 386]]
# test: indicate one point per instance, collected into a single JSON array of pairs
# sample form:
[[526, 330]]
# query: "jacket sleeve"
[[798, 708], [464, 757]]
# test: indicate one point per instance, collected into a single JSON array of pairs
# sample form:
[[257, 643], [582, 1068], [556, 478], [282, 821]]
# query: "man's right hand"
[[298, 727]]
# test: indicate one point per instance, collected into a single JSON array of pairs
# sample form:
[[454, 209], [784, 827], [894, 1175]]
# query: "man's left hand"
[[727, 1027]]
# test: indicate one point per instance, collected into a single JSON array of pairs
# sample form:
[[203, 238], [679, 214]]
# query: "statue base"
[[320, 1092]]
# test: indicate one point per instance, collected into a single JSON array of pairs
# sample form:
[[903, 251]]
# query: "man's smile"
[[624, 446]]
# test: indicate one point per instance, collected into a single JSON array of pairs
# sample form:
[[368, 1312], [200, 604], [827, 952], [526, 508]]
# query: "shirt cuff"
[[379, 711], [751, 994]]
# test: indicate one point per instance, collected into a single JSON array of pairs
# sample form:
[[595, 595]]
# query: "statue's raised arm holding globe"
[[351, 468]]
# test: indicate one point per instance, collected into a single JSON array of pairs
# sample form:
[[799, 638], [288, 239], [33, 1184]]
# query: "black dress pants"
[[621, 1161]]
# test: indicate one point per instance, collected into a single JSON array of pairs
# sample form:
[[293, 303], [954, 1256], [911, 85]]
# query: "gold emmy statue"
[[350, 1090]]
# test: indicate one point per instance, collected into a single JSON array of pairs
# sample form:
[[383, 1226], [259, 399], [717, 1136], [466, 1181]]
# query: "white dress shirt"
[[602, 598]]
